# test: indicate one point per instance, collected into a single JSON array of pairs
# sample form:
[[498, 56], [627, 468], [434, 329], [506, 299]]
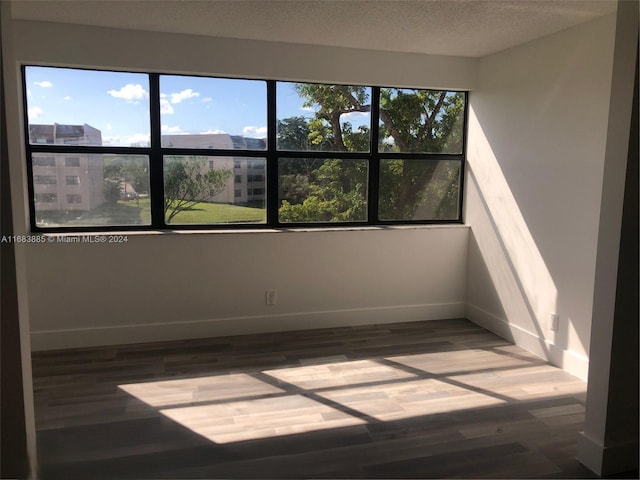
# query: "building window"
[[255, 164], [43, 161], [74, 198], [46, 197], [325, 155], [45, 179]]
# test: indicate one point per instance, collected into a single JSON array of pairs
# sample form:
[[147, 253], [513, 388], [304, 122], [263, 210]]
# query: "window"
[[115, 192], [195, 113], [194, 195], [46, 197], [45, 179], [162, 151], [42, 161], [333, 190]]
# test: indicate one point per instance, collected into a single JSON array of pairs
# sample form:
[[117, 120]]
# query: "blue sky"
[[117, 103]]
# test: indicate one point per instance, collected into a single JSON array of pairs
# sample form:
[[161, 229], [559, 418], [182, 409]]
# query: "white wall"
[[537, 135], [161, 286], [169, 286]]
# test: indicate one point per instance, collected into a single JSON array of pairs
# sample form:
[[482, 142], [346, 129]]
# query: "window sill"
[[154, 233]]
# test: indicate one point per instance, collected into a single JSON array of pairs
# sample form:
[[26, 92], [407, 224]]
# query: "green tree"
[[331, 103], [336, 191], [188, 182], [132, 169], [293, 134], [112, 190], [419, 121]]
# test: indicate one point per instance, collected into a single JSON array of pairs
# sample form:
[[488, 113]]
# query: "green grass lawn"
[[138, 212], [120, 213], [219, 213]]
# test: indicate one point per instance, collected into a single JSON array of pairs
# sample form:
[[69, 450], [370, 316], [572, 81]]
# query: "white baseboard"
[[609, 460], [219, 327], [569, 361]]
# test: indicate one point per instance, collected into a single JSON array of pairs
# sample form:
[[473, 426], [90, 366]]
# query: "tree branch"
[[397, 136]]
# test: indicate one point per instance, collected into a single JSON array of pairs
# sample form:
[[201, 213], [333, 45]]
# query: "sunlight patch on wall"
[[527, 291]]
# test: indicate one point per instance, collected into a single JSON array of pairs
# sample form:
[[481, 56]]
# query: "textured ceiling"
[[472, 28]]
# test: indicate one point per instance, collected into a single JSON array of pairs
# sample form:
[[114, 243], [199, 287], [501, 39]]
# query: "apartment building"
[[76, 181], [65, 181], [247, 184]]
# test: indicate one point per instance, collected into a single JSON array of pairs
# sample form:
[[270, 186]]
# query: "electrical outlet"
[[555, 322], [271, 297]]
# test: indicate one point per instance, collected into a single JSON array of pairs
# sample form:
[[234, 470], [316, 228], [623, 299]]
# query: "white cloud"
[[111, 141], [29, 93], [208, 132], [109, 127], [35, 112], [258, 132], [183, 95], [207, 99], [67, 98], [308, 109], [140, 139], [165, 106], [354, 114], [168, 129], [130, 92], [44, 84]]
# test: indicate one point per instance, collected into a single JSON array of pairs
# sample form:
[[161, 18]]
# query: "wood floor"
[[438, 399]]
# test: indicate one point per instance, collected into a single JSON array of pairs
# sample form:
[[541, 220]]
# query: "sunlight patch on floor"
[[240, 421], [410, 399], [338, 374], [461, 361], [199, 389]]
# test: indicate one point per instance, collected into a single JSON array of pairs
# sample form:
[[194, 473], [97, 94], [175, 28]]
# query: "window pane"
[[419, 190], [200, 192], [217, 113], [87, 107], [329, 118], [322, 190], [423, 121], [93, 190]]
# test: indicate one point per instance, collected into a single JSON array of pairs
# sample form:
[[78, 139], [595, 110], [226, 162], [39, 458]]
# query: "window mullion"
[[374, 161], [272, 157], [156, 177]]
